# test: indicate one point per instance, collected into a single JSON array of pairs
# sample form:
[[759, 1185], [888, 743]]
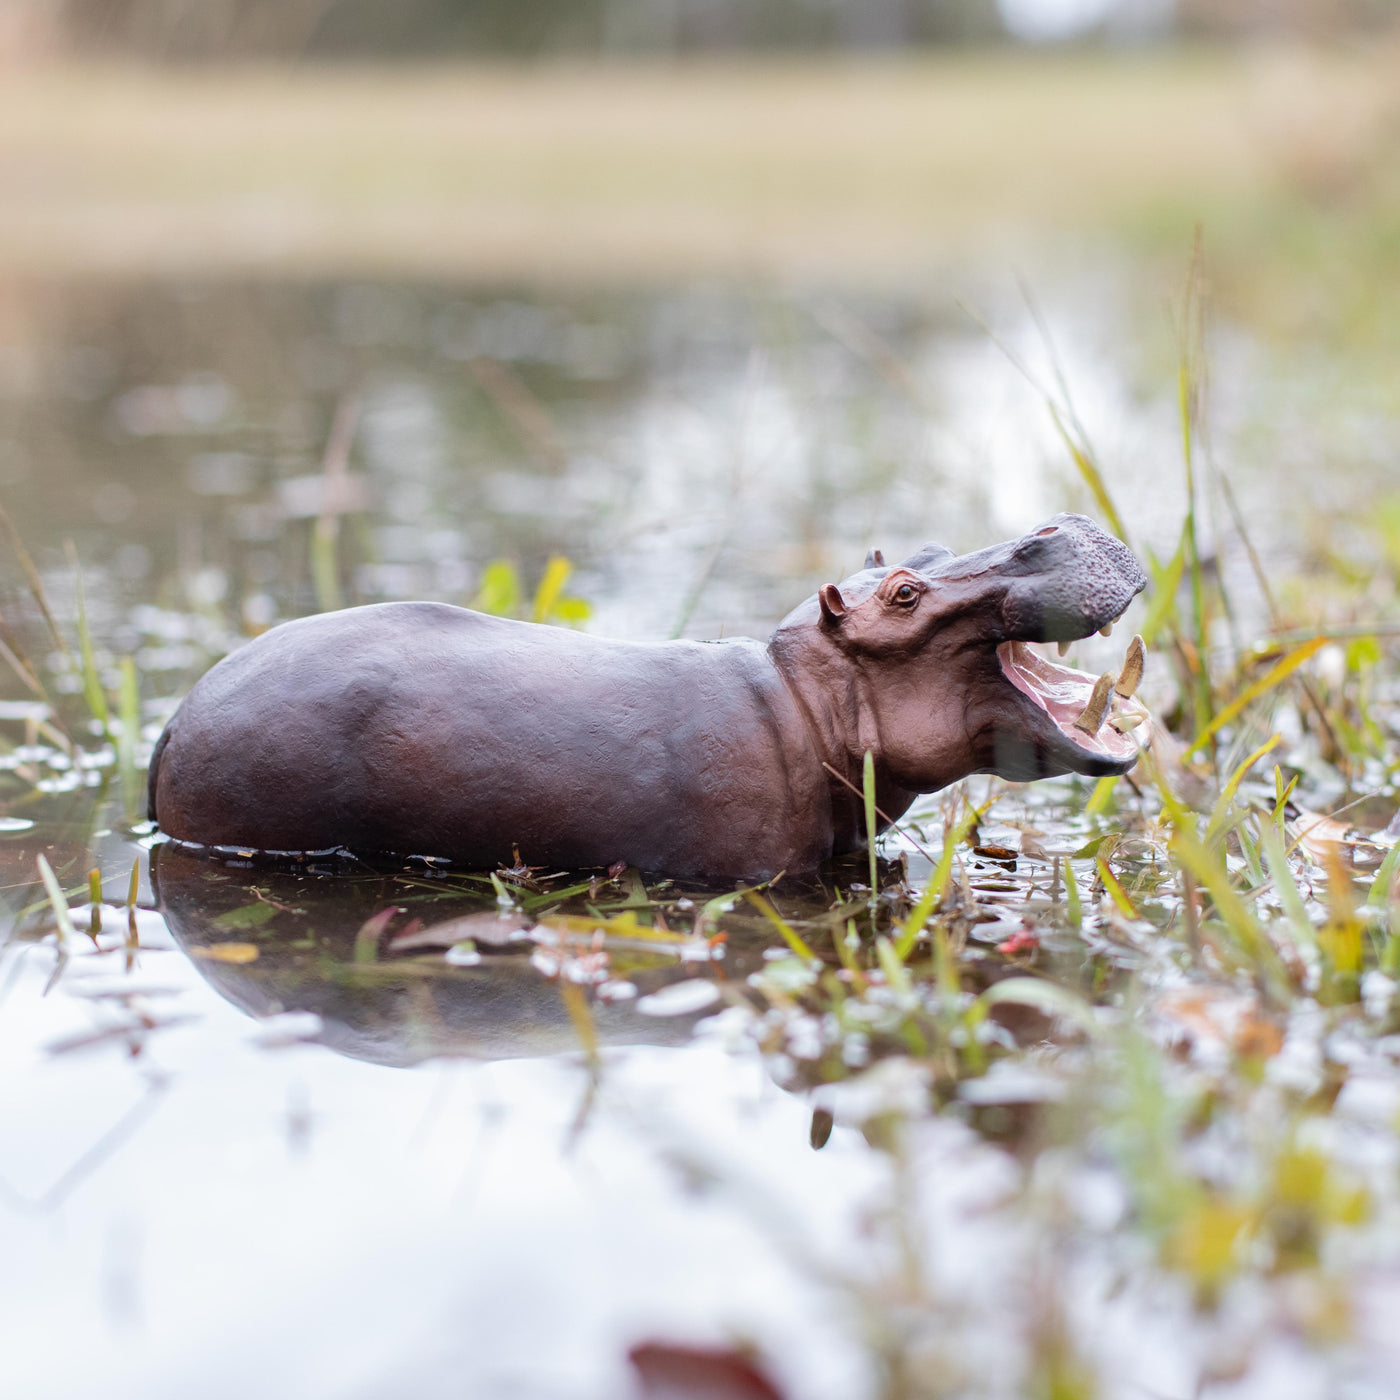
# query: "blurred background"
[[647, 316]]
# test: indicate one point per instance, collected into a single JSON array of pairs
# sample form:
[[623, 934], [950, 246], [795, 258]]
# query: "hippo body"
[[427, 729], [421, 728]]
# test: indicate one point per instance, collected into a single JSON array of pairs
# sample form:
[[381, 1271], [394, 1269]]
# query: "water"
[[314, 1166]]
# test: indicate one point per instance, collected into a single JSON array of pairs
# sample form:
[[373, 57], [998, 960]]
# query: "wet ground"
[[353, 1131]]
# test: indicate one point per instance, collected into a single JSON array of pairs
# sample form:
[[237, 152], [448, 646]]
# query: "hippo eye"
[[905, 593]]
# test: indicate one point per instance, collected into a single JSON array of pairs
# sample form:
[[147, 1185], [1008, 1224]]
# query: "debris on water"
[[666, 1371], [8, 824], [495, 930], [616, 989], [1002, 855], [584, 968], [680, 998], [464, 954], [1024, 941]]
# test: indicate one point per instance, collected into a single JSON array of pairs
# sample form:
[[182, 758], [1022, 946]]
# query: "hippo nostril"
[[1048, 530]]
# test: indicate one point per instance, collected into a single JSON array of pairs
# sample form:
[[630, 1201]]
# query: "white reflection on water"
[[293, 1223]]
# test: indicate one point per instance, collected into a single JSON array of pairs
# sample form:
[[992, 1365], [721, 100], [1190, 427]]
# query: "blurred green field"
[[848, 172]]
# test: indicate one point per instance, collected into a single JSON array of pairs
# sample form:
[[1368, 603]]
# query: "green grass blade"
[[64, 920], [325, 563], [129, 716], [1280, 671], [1276, 858], [933, 893], [31, 576], [1090, 474], [1166, 582], [871, 831], [1383, 885], [791, 937], [1101, 796], [499, 593], [93, 692], [1073, 902], [896, 974], [1232, 786], [547, 595]]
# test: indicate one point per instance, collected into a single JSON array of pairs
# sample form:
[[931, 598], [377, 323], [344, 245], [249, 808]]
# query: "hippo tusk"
[[1130, 677], [1091, 721], [1106, 630], [1125, 724], [1062, 648]]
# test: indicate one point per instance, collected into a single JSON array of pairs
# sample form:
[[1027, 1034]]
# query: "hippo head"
[[927, 663]]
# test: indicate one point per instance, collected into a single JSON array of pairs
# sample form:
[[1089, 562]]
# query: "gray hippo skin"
[[426, 729]]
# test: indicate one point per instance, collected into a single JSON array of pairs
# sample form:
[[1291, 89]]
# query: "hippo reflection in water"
[[422, 728], [403, 1010]]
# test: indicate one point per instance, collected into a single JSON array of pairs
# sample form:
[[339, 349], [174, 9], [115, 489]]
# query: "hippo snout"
[[1067, 579]]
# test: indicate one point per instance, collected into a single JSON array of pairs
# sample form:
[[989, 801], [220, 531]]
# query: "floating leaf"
[[236, 953], [1048, 997], [247, 916]]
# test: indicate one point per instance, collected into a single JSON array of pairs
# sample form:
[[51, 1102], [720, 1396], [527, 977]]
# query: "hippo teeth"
[[1062, 648], [1130, 677], [1066, 696], [1107, 629], [1091, 720]]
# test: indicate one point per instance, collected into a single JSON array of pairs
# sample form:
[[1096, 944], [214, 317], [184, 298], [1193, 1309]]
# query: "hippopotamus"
[[428, 729]]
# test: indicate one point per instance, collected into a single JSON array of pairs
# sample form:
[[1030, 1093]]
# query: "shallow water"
[[254, 1170]]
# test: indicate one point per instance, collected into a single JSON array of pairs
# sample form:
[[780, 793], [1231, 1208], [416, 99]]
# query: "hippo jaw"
[[1049, 734]]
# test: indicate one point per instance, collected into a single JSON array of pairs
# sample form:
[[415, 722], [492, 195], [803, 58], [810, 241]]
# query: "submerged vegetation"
[[1131, 1046]]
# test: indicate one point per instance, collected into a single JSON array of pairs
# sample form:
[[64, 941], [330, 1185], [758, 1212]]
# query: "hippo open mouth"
[[1099, 715]]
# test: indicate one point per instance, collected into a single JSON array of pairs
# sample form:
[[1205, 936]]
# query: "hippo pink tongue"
[[1087, 709]]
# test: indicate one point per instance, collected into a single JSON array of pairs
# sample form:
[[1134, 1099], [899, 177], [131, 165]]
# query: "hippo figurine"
[[426, 729]]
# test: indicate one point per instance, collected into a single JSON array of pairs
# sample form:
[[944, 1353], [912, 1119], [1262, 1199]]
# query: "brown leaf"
[[1324, 838], [669, 1372]]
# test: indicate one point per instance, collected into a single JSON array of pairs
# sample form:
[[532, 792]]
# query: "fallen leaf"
[[492, 929], [247, 916], [669, 1372], [1322, 837], [227, 952]]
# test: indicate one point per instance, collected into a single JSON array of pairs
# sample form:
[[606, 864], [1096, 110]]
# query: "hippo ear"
[[833, 604], [930, 556], [875, 559]]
